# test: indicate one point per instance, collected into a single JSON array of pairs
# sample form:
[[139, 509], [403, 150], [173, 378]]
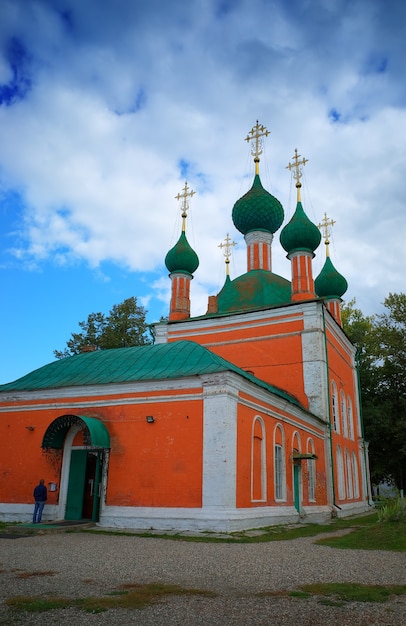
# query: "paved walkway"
[[86, 564]]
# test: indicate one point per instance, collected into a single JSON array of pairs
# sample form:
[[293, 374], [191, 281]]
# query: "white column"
[[314, 361], [219, 442]]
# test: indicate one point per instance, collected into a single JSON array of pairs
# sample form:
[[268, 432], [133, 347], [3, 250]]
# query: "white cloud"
[[99, 179]]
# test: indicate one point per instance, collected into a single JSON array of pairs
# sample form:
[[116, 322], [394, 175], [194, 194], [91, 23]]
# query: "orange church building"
[[243, 417]]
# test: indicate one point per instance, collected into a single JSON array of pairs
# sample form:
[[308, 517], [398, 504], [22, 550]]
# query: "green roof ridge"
[[256, 288]]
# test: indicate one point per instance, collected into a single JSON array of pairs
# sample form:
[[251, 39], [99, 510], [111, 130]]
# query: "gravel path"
[[82, 564]]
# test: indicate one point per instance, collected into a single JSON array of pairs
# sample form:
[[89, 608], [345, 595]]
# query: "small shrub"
[[393, 511]]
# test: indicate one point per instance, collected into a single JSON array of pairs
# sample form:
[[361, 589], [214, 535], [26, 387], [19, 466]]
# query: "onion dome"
[[182, 257], [330, 283], [257, 210], [300, 233]]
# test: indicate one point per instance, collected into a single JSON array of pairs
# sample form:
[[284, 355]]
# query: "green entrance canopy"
[[96, 434]]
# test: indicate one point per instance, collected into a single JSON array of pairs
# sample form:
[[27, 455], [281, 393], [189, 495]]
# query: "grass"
[[269, 533], [336, 594], [130, 596], [368, 532], [136, 597], [354, 592], [390, 536]]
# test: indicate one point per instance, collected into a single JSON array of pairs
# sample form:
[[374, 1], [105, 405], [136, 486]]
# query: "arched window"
[[296, 445], [340, 474], [334, 406], [350, 418], [311, 471], [343, 406], [355, 475], [279, 464], [348, 466], [258, 461]]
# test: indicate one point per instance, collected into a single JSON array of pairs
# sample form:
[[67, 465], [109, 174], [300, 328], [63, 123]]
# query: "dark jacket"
[[40, 493]]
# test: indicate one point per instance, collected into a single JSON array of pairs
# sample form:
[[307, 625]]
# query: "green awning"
[[299, 456], [96, 434]]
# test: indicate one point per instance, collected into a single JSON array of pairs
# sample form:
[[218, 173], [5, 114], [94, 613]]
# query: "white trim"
[[214, 518], [311, 471], [352, 508], [251, 319], [85, 391], [102, 403], [340, 473], [12, 512], [66, 457], [343, 413], [263, 459], [282, 474]]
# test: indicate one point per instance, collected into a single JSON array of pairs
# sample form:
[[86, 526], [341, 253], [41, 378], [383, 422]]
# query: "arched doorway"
[[85, 442]]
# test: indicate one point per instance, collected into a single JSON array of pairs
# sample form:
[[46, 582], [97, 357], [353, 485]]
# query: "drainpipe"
[[361, 419], [329, 411]]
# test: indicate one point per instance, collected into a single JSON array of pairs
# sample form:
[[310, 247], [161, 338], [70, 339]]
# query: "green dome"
[[300, 233], [257, 210], [253, 290], [182, 258], [330, 283]]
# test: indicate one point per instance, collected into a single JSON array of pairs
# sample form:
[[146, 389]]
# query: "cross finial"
[[296, 166], [227, 245], [325, 227], [255, 136], [184, 207]]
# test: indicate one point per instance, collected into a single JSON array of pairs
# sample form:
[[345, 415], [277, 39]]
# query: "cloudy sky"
[[107, 107]]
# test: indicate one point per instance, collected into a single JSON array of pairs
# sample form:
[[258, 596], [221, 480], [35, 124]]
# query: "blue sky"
[[107, 107]]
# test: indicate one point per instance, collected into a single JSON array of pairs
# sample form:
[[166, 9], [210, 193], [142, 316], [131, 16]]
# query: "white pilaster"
[[314, 361], [219, 442]]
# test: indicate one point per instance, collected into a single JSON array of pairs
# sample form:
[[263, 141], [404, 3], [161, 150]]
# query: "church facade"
[[244, 417]]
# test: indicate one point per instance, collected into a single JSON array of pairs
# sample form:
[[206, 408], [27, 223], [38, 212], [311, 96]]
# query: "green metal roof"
[[253, 290], [158, 362]]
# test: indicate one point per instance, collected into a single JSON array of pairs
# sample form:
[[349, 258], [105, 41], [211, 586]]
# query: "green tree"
[[390, 367], [125, 326], [381, 344]]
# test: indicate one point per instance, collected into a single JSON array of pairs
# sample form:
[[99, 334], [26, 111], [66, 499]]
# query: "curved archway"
[[85, 443], [95, 433]]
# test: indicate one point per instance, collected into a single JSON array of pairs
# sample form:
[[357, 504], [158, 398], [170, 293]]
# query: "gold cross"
[[184, 207], [297, 173], [228, 245], [325, 227], [255, 135]]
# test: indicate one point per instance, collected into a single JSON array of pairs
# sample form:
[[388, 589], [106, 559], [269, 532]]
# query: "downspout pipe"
[[329, 410]]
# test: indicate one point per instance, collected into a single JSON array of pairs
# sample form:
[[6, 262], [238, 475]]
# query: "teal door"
[[76, 485], [296, 486]]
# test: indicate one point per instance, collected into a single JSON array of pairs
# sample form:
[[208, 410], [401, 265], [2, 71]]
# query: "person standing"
[[40, 497]]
